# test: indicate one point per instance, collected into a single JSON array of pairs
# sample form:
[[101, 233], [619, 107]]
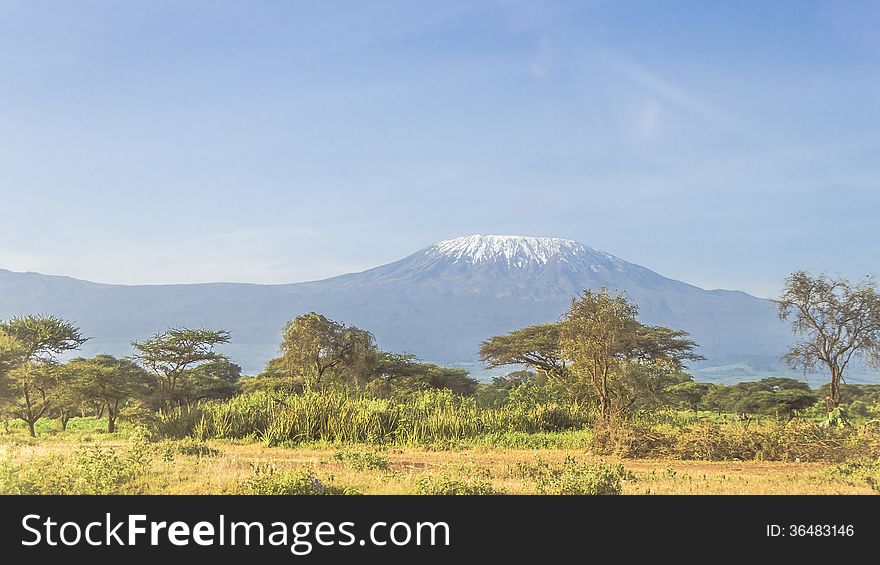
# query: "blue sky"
[[724, 144]]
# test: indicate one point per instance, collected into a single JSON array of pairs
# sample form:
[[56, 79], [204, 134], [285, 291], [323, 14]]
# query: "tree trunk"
[[65, 417], [832, 401], [31, 428], [111, 424], [604, 397]]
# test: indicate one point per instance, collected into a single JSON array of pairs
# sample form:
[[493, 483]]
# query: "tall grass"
[[339, 417]]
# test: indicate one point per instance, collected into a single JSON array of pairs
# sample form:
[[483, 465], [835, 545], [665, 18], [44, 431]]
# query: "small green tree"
[[316, 349], [66, 400], [170, 354], [12, 353], [110, 382], [835, 321], [606, 343], [539, 348], [31, 389], [32, 345], [690, 395], [402, 375], [215, 380]]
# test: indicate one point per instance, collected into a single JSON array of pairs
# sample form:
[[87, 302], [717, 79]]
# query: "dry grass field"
[[223, 467]]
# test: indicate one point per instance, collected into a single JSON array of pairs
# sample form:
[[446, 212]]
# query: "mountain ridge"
[[438, 303]]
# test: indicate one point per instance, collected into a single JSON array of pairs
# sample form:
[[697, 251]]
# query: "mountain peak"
[[521, 251]]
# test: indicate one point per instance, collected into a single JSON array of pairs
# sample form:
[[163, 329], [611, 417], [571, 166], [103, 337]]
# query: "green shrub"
[[853, 473], [444, 485], [196, 448], [573, 478], [8, 473], [168, 449], [797, 440], [362, 460], [266, 479], [90, 470]]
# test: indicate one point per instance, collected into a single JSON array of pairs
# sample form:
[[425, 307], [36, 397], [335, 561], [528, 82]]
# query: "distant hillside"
[[438, 303]]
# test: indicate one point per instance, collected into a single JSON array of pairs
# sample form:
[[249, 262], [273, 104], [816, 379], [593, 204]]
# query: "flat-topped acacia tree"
[[106, 381], [32, 345], [601, 349], [537, 347], [170, 354]]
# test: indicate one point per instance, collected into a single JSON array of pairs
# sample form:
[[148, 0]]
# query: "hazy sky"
[[721, 143]]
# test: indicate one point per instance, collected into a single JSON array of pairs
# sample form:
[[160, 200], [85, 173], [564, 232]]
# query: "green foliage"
[[12, 353], [796, 440], [623, 360], [338, 417], [214, 380], [29, 376], [171, 354], [571, 439], [268, 480], [573, 478], [190, 447], [401, 376], [92, 469], [774, 396], [110, 384], [854, 473], [315, 350], [537, 347], [444, 485], [41, 338], [362, 460], [835, 321]]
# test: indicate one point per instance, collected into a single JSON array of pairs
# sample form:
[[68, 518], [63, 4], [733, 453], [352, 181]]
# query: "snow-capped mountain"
[[438, 303], [516, 251]]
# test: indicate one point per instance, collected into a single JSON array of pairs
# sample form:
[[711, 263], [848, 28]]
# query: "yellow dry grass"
[[186, 474]]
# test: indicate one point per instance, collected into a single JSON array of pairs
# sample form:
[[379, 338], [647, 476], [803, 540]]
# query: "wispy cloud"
[[671, 93], [539, 66]]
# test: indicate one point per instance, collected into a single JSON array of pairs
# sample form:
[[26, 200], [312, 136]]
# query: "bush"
[[266, 479], [91, 470], [191, 447], [196, 448], [444, 485], [797, 440], [8, 473], [362, 460], [853, 473], [573, 478]]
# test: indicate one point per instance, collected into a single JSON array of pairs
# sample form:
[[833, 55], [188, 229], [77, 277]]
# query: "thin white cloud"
[[669, 92], [650, 118]]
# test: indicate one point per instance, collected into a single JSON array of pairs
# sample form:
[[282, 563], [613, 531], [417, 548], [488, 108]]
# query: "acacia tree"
[[31, 390], [11, 353], [37, 341], [537, 347], [110, 382], [605, 342], [402, 374], [169, 354], [314, 348], [836, 321], [215, 380]]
